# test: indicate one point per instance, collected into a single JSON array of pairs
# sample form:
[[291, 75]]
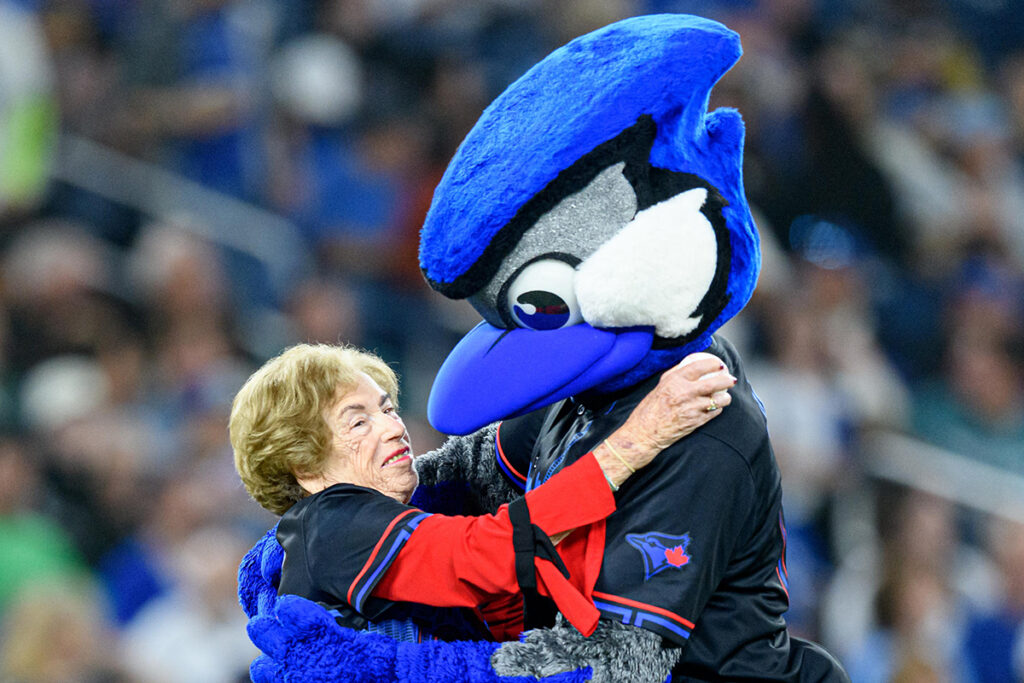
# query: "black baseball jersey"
[[338, 544], [696, 550]]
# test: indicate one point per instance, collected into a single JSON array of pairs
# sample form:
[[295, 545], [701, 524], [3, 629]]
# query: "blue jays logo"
[[661, 551]]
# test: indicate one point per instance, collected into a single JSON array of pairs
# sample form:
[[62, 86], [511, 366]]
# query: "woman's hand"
[[687, 396]]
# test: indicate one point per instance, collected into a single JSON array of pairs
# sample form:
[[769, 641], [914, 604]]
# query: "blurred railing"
[[273, 241], [910, 462]]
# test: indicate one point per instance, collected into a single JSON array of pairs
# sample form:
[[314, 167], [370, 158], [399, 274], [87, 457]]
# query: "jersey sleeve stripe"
[[641, 619], [394, 537], [504, 463], [651, 610], [782, 526], [782, 580]]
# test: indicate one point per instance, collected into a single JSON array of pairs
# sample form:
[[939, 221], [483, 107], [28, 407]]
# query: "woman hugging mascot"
[[595, 217]]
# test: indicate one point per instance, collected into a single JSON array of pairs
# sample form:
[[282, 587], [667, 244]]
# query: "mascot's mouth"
[[494, 373]]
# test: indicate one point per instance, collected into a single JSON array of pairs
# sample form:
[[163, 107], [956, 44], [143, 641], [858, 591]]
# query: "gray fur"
[[616, 652], [471, 459], [578, 225]]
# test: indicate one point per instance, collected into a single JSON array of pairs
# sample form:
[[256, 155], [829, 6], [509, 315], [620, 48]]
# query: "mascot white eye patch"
[[655, 271]]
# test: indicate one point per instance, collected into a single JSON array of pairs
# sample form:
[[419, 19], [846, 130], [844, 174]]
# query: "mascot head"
[[595, 217]]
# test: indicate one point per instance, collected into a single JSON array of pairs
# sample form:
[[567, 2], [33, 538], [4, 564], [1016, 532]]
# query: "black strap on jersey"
[[530, 541], [345, 616]]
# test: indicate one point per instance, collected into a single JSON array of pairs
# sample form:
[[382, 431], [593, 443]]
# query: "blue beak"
[[495, 374]]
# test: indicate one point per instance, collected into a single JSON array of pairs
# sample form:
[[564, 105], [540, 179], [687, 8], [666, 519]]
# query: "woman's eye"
[[543, 296]]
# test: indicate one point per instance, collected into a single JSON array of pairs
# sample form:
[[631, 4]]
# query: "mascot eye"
[[543, 296]]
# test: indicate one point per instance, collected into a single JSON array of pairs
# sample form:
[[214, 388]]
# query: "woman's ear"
[[310, 483]]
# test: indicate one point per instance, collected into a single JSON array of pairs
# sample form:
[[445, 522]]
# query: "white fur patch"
[[654, 271]]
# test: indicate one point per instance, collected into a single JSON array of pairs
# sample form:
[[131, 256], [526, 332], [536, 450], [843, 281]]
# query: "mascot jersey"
[[711, 576], [379, 564]]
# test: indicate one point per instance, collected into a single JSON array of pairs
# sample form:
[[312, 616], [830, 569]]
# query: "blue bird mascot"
[[595, 218]]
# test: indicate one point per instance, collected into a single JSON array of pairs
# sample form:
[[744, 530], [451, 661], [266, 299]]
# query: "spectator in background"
[[917, 621], [195, 632], [100, 468], [35, 548], [61, 290], [28, 112], [58, 633], [989, 179], [325, 311], [976, 406], [179, 279], [994, 643], [143, 567], [193, 68], [822, 350]]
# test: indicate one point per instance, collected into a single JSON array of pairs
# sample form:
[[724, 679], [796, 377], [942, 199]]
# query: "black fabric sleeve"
[[352, 535], [660, 569], [514, 443]]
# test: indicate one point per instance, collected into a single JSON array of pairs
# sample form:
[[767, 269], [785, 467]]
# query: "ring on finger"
[[713, 407]]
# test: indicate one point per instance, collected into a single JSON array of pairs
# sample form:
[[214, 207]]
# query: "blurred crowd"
[[885, 165]]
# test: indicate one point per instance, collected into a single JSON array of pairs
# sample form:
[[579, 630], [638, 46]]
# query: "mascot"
[[595, 218]]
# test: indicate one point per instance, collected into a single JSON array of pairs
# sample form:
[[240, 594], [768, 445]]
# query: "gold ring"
[[713, 407]]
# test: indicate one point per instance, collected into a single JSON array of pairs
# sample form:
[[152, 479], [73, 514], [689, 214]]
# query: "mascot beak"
[[494, 373]]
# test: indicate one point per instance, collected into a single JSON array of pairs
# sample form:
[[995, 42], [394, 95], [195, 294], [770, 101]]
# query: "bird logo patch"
[[661, 551]]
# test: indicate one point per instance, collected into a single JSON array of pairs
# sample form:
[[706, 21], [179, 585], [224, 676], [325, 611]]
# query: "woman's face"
[[370, 446]]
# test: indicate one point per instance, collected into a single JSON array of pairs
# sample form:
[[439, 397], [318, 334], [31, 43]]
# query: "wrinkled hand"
[[687, 396]]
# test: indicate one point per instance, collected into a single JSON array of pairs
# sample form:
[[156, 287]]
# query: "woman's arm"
[[467, 561]]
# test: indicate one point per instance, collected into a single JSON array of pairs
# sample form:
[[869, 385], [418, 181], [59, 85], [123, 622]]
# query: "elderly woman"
[[317, 439]]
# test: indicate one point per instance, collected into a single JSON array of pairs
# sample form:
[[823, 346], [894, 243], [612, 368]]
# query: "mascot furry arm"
[[595, 217]]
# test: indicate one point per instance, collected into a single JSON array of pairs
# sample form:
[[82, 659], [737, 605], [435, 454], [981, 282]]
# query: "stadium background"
[[188, 186]]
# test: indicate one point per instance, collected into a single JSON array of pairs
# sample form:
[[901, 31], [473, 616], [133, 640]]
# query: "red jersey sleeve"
[[503, 617], [466, 561]]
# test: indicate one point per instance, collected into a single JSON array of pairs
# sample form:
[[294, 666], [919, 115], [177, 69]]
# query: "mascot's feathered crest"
[[596, 219]]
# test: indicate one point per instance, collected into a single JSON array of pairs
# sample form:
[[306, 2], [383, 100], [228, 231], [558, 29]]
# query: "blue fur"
[[579, 96]]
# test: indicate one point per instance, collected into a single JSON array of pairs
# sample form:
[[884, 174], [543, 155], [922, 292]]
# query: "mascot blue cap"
[[595, 217]]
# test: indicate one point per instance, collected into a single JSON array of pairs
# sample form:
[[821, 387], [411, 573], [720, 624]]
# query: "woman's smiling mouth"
[[397, 456]]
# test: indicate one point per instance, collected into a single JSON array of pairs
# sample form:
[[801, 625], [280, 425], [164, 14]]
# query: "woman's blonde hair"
[[277, 422]]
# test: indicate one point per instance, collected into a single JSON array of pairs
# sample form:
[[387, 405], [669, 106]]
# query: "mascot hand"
[[259, 574], [616, 652], [302, 642]]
